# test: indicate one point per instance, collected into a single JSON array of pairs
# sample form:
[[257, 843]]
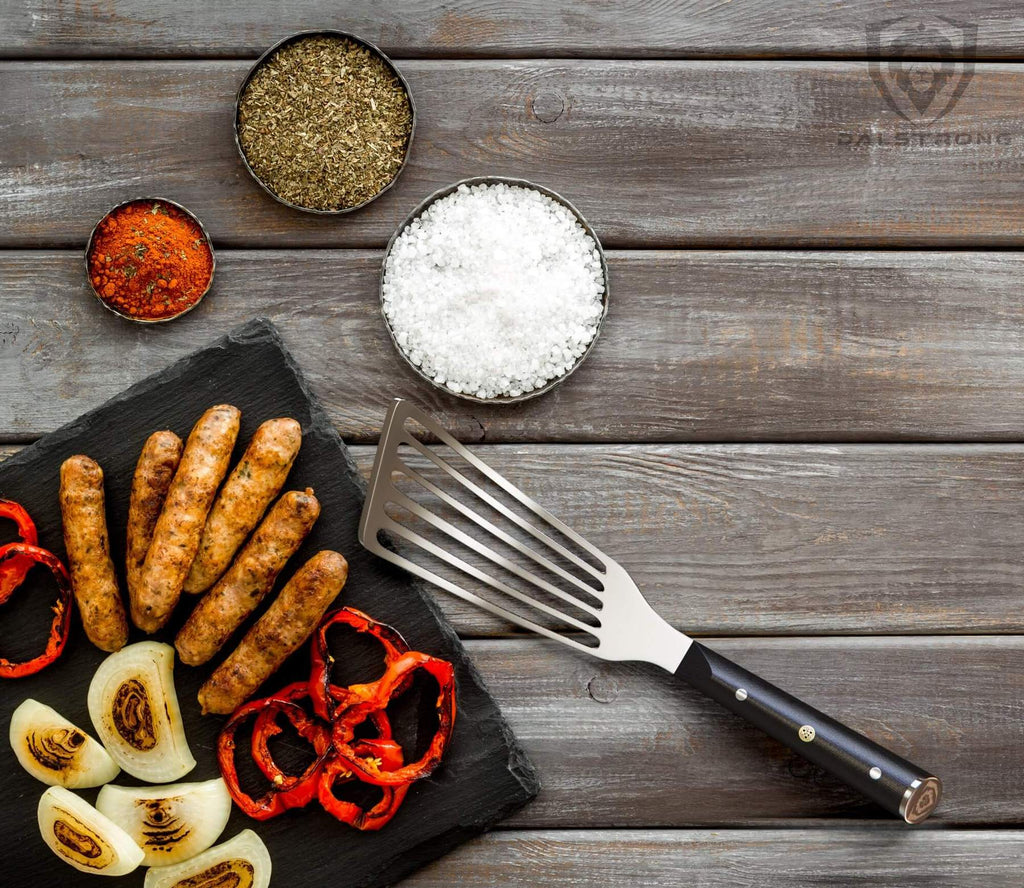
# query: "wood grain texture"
[[769, 540], [788, 540], [653, 153], [628, 746], [466, 28], [698, 346], [759, 858]]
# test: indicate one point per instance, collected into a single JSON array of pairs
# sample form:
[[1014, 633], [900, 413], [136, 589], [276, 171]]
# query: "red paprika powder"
[[150, 260]]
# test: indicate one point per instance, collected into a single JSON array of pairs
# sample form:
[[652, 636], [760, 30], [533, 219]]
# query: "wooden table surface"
[[801, 430]]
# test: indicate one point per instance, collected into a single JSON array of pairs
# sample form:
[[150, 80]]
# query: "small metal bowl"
[[495, 180], [149, 200], [324, 32]]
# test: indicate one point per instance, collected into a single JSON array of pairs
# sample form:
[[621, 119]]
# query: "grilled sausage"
[[153, 474], [204, 462], [287, 623], [251, 576], [249, 490], [88, 546]]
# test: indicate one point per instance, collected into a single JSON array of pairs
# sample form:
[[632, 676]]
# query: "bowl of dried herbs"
[[324, 122]]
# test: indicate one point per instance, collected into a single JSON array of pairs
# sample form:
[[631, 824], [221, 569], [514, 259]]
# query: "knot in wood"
[[602, 688], [547, 106]]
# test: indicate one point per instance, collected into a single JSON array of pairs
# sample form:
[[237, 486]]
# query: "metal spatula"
[[559, 578]]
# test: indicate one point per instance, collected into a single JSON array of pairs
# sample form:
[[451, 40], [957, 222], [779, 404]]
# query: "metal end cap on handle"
[[920, 799]]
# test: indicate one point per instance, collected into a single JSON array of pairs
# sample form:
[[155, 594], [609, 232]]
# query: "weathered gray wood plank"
[[745, 540], [654, 153], [485, 28], [768, 540], [656, 754], [698, 346], [620, 745], [761, 858]]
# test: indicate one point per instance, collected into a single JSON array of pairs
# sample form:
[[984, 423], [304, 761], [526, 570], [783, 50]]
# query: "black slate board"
[[485, 776]]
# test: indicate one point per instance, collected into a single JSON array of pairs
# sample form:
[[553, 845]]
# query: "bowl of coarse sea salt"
[[494, 289]]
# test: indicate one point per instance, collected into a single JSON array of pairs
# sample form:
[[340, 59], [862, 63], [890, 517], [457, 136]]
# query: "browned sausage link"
[[204, 462], [249, 490], [88, 546], [251, 576], [153, 474], [288, 622]]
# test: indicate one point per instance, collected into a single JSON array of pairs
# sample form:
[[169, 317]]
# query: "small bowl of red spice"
[[149, 260]]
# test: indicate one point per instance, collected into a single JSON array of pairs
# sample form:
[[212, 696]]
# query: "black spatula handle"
[[897, 785]]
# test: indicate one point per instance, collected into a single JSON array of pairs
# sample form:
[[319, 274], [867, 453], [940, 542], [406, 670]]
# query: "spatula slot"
[[482, 569], [498, 541], [444, 474], [438, 569]]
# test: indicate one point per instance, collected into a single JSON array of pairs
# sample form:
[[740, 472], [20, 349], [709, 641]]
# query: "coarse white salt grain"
[[494, 290]]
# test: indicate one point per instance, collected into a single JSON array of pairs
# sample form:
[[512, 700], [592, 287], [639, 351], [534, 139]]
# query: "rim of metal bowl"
[[187, 212], [495, 180], [325, 32]]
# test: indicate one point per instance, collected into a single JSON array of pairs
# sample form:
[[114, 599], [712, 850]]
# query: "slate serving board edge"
[[518, 765]]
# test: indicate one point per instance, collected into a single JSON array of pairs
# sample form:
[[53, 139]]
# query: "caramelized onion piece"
[[134, 709], [170, 823], [78, 834], [57, 752], [242, 862]]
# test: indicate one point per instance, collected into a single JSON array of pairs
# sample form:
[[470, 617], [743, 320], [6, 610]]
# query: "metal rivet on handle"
[[806, 733], [741, 694], [875, 773]]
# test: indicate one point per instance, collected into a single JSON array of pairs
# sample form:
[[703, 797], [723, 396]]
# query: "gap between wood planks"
[[7, 56]]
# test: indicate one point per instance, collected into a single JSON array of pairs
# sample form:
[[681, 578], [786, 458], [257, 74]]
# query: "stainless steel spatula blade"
[[506, 554]]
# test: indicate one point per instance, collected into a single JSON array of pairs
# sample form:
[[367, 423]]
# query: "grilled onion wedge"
[[57, 752], [79, 835], [134, 708], [169, 823], [243, 862]]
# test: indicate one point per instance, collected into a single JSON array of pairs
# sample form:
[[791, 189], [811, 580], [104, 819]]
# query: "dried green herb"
[[324, 123]]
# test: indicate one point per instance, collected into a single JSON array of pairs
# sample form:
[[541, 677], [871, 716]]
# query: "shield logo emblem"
[[921, 65]]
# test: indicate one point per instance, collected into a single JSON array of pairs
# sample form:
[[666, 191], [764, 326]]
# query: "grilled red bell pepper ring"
[[275, 801], [18, 566], [60, 627], [370, 698], [317, 734], [329, 699], [390, 755]]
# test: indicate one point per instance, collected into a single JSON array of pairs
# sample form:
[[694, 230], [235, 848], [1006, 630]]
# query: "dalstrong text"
[[922, 139]]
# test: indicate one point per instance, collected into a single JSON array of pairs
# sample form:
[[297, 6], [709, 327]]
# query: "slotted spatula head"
[[463, 527]]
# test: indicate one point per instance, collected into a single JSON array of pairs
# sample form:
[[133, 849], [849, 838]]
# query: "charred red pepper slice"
[[328, 699], [389, 754], [367, 699], [61, 625], [17, 567], [275, 801], [340, 757], [306, 726]]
